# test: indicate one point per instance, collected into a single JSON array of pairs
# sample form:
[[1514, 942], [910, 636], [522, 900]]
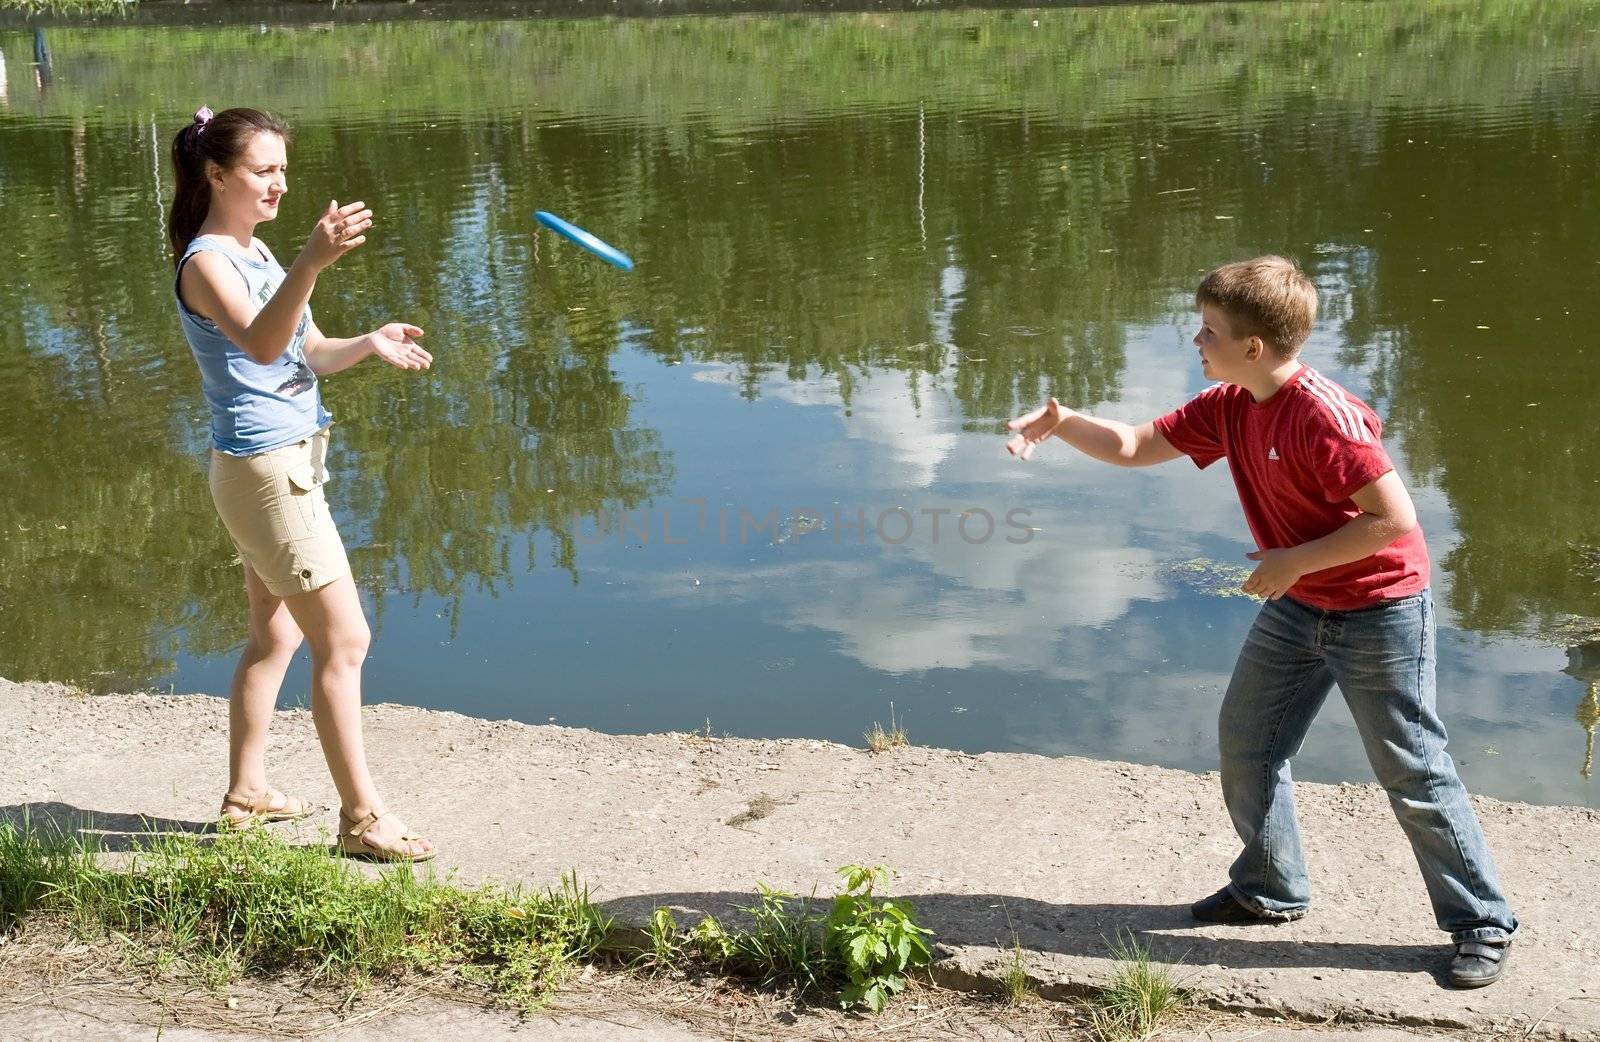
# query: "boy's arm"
[[1110, 441], [1386, 514]]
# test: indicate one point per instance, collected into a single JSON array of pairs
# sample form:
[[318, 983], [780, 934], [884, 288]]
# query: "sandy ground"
[[1060, 855], [69, 1016], [120, 1021]]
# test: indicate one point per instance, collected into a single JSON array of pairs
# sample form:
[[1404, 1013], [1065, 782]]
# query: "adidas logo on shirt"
[[1272, 453]]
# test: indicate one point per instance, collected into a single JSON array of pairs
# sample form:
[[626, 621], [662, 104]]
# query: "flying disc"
[[603, 250]]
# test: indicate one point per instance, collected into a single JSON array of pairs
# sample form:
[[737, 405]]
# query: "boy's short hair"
[[1269, 297]]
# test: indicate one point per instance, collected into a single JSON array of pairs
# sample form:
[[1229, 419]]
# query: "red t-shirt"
[[1296, 459]]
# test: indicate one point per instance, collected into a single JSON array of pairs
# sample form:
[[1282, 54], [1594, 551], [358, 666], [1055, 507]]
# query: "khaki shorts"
[[273, 508]]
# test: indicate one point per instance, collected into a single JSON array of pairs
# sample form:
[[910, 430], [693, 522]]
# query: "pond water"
[[758, 484]]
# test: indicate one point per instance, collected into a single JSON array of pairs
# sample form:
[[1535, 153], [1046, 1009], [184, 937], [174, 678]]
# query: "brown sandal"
[[260, 809], [353, 842]]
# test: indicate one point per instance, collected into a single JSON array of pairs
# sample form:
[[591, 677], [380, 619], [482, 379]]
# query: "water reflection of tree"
[[1583, 662], [1020, 227], [104, 554], [1479, 300], [111, 545]]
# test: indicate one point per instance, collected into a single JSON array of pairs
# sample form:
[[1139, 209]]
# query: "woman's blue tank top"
[[254, 407]]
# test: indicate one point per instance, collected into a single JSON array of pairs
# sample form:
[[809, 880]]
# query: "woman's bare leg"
[[336, 628], [253, 694]]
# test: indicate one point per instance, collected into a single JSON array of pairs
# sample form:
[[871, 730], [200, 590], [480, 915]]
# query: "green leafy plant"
[[711, 942], [876, 940], [864, 949], [666, 945]]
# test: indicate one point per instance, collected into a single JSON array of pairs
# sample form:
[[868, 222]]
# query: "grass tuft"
[[1015, 984], [1141, 993], [781, 947], [666, 943], [881, 739]]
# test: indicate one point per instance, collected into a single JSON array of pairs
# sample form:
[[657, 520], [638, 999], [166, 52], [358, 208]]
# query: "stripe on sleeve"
[[1349, 417], [1344, 411]]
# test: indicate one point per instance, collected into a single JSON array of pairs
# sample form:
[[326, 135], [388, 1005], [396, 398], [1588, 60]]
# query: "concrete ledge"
[[1061, 856]]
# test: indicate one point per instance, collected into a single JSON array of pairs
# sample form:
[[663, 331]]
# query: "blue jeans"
[[1382, 658]]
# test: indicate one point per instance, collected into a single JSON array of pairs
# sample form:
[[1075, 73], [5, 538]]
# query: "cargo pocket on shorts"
[[305, 489]]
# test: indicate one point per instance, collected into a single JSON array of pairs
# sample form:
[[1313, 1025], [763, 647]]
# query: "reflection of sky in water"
[[1075, 642]]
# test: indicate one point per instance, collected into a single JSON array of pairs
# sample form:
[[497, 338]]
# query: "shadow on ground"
[[113, 831], [1091, 931], [996, 921]]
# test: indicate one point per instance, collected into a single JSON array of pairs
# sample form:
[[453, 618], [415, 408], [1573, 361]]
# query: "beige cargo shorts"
[[274, 510]]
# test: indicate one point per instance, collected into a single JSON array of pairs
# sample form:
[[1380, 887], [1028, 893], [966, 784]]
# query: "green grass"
[[249, 903], [1141, 994], [1015, 984], [66, 7], [666, 944], [782, 946], [864, 950], [219, 909]]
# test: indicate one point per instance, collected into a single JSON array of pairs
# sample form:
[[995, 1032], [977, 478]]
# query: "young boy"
[[1344, 570]]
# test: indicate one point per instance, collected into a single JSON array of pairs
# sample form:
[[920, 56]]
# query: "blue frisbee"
[[603, 250]]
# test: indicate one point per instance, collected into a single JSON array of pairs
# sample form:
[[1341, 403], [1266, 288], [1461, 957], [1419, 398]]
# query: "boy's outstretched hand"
[[1034, 427]]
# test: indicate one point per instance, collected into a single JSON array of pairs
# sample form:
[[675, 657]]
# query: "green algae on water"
[[1209, 578]]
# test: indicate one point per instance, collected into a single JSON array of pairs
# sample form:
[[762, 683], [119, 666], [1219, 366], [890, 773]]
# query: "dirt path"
[[1059, 855], [79, 1017]]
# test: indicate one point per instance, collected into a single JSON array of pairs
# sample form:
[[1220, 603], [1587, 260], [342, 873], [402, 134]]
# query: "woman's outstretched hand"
[[394, 344], [339, 230], [1034, 427]]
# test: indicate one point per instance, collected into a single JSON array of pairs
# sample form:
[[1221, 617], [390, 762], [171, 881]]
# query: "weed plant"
[[881, 739], [1014, 983], [69, 7], [1141, 993], [864, 950]]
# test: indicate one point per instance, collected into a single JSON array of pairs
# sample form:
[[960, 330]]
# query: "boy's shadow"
[[1167, 932], [107, 830]]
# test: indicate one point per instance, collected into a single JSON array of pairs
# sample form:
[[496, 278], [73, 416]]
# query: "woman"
[[260, 356]]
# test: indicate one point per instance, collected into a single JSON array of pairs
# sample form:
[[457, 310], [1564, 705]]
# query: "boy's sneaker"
[[1223, 907], [1477, 964]]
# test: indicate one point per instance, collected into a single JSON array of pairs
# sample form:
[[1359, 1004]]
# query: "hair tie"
[[202, 117]]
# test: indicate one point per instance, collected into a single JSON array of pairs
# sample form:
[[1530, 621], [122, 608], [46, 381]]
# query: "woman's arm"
[[327, 354], [211, 288], [393, 343]]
